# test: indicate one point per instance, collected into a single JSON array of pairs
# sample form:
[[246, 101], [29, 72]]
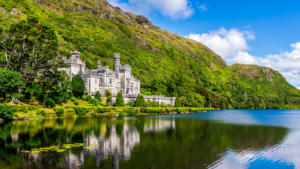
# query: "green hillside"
[[166, 63]]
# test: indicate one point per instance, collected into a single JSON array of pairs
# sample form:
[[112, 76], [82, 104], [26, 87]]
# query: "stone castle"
[[118, 80]]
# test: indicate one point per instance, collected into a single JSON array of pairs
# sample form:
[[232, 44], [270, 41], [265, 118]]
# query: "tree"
[[183, 101], [103, 101], [98, 95], [77, 86], [6, 112], [10, 83], [177, 102], [30, 48], [120, 100], [139, 101], [171, 87], [108, 96]]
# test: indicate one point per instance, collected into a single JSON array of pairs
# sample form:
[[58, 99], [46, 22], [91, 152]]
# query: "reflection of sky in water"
[[284, 155]]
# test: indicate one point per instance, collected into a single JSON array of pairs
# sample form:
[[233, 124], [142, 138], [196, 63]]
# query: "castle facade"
[[117, 80]]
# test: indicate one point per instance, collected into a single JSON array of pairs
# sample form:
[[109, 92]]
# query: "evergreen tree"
[[120, 101], [177, 102], [77, 86], [98, 95], [139, 101]]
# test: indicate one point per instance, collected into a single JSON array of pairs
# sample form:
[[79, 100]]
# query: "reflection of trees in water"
[[197, 144], [163, 143]]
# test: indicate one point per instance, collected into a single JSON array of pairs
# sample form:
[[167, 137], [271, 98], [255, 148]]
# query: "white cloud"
[[202, 7], [174, 9], [233, 46], [226, 43]]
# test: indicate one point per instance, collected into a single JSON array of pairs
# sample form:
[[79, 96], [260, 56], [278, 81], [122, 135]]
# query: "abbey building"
[[117, 80]]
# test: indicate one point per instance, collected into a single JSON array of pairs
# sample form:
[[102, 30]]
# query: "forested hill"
[[166, 63]]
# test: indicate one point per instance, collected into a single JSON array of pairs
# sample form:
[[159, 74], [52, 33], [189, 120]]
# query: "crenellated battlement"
[[127, 66]]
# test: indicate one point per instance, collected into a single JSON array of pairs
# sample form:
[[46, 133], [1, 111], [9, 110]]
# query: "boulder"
[[15, 101]]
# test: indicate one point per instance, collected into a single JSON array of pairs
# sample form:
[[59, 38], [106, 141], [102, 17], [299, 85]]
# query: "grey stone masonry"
[[118, 80]]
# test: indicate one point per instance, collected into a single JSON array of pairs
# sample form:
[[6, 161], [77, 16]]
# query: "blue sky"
[[261, 32]]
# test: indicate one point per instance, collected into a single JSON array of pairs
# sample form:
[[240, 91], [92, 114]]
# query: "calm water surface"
[[216, 139]]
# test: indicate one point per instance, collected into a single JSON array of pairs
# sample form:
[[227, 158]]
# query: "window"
[[127, 83], [109, 81], [95, 81], [100, 80]]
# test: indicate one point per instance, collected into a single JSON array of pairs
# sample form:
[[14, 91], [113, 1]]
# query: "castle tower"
[[116, 62], [75, 54]]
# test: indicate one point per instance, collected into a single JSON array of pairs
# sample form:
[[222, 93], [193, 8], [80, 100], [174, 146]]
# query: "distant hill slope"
[[166, 63]]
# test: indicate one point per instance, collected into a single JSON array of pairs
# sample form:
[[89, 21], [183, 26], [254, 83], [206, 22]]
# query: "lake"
[[216, 139]]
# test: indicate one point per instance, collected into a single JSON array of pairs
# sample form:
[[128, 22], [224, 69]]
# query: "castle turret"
[[75, 54], [116, 62]]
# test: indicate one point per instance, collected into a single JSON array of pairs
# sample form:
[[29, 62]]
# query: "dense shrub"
[[130, 104], [6, 112], [123, 114], [41, 112], [130, 112], [81, 110], [88, 98], [102, 110], [50, 103], [76, 103], [95, 102], [73, 99], [59, 112]]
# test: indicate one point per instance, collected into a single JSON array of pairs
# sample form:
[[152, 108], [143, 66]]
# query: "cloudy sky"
[[258, 32]]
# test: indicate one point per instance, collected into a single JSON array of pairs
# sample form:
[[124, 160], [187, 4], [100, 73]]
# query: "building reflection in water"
[[119, 146], [158, 125]]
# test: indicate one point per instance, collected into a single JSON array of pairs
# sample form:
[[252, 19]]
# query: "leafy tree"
[[183, 101], [98, 95], [108, 96], [103, 101], [77, 86], [10, 83], [6, 112], [171, 87], [30, 48], [120, 100], [50, 103], [177, 102]]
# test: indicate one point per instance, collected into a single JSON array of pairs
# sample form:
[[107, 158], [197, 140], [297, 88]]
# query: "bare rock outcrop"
[[16, 11], [3, 11], [15, 101]]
